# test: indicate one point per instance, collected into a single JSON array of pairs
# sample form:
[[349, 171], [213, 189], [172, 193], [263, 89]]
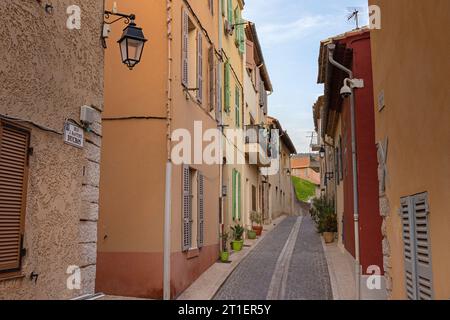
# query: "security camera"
[[346, 91]]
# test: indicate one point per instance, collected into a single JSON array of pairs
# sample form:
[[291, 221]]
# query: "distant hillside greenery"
[[305, 190]]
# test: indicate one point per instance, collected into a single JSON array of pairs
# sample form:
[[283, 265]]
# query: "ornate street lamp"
[[131, 42]]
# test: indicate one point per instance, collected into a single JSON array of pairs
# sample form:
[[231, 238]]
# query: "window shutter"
[[212, 79], [262, 90], [423, 250], [201, 210], [230, 11], [185, 62], [187, 209], [417, 253], [238, 107], [234, 195], [211, 6], [227, 87], [14, 144], [239, 195], [218, 93], [408, 240], [199, 67]]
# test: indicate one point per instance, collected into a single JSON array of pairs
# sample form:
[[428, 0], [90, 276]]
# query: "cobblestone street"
[[288, 264]]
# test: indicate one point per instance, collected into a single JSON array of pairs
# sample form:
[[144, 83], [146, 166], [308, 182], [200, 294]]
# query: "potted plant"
[[238, 242], [323, 213], [224, 254], [251, 234], [255, 218]]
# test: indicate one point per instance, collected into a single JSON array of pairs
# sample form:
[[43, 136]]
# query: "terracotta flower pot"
[[328, 237], [258, 230]]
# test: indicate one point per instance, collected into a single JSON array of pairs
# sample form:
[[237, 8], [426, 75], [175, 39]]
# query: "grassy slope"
[[304, 189]]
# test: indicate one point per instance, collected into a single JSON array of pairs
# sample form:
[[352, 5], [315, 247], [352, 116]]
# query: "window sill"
[[193, 253], [11, 276]]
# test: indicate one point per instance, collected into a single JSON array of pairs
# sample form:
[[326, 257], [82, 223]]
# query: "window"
[[227, 87], [236, 196], [14, 146], [211, 6], [230, 11], [253, 198], [238, 107], [239, 31], [192, 56], [417, 251], [193, 208], [212, 79]]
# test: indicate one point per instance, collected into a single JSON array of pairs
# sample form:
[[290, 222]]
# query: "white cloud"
[[280, 33]]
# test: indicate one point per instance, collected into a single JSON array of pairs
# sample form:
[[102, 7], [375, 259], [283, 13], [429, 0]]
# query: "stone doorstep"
[[207, 285]]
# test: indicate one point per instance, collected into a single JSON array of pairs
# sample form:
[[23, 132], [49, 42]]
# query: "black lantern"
[[322, 152], [132, 44]]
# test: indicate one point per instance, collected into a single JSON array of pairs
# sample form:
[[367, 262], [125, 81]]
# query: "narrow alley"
[[298, 272]]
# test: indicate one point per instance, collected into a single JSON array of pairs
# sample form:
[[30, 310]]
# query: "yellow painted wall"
[[411, 64]]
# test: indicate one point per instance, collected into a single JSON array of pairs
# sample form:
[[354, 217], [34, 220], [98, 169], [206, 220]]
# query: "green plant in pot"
[[225, 254], [256, 220], [238, 242], [251, 234], [324, 215]]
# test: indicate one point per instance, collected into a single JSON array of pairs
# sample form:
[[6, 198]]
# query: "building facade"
[[256, 85], [148, 113], [413, 138], [281, 190], [353, 51], [49, 175]]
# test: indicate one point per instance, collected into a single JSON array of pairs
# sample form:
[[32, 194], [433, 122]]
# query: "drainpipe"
[[168, 196], [331, 48], [220, 123]]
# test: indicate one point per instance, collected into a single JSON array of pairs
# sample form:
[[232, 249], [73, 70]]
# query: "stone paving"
[[307, 279]]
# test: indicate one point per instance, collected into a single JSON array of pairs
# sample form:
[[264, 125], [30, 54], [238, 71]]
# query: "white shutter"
[[187, 210], [201, 210], [185, 62], [199, 67], [417, 251], [408, 242], [212, 79], [423, 250]]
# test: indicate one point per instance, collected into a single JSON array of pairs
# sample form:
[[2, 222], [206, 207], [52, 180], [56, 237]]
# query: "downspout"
[[220, 122], [331, 48], [168, 191]]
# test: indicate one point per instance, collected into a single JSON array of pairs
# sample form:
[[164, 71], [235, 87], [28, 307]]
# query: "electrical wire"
[[41, 127]]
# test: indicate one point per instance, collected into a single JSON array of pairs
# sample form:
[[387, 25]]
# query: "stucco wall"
[[415, 121], [47, 73]]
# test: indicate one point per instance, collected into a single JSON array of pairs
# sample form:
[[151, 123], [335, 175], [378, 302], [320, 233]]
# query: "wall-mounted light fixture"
[[322, 152], [132, 41]]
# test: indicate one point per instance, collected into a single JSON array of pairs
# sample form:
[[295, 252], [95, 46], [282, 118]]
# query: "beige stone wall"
[[47, 73], [411, 66]]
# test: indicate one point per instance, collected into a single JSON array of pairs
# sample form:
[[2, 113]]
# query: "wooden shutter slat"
[[187, 226], [199, 67], [201, 210], [13, 172], [185, 56]]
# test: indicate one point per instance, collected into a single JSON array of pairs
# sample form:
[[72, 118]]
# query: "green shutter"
[[233, 189], [227, 87], [239, 195], [230, 11], [238, 107]]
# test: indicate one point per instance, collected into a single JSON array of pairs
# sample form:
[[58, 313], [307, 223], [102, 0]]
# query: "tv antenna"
[[354, 15]]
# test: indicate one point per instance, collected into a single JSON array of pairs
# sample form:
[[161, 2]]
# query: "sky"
[[290, 32]]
